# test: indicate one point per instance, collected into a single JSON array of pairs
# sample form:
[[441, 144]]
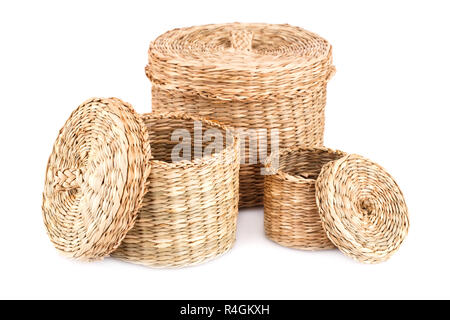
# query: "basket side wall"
[[291, 217], [299, 120]]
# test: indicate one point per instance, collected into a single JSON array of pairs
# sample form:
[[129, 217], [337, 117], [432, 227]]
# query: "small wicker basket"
[[256, 77], [111, 187], [318, 198], [291, 216]]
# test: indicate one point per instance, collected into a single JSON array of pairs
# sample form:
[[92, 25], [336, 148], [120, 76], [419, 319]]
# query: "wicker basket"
[[105, 193], [291, 216], [318, 198], [258, 77]]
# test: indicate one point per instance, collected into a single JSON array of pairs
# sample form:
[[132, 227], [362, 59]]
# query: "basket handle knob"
[[241, 40], [148, 72], [331, 73], [68, 179]]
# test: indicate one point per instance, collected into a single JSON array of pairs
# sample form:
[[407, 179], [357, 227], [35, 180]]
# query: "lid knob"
[[241, 40]]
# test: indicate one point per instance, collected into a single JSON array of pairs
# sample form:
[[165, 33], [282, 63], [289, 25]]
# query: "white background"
[[389, 101]]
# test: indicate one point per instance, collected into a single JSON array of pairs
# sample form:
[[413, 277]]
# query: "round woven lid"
[[362, 208], [95, 178], [230, 61]]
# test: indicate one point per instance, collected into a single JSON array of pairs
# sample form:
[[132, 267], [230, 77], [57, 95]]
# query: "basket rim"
[[268, 164], [204, 160]]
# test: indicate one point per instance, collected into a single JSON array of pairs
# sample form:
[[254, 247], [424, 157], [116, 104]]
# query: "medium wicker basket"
[[257, 77], [106, 193], [318, 198]]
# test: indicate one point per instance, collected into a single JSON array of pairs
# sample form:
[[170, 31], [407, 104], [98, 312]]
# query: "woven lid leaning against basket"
[[291, 216], [317, 198], [252, 76], [105, 194], [362, 209], [95, 178]]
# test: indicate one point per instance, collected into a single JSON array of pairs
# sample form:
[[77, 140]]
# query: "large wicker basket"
[[318, 198], [105, 193], [258, 77]]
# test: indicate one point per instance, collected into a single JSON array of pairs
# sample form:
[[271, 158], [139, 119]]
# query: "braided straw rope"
[[362, 209], [190, 209], [291, 217], [95, 178], [251, 76]]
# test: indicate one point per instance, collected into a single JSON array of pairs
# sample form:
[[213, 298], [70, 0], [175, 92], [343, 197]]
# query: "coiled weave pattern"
[[252, 76], [95, 178], [362, 208], [291, 216]]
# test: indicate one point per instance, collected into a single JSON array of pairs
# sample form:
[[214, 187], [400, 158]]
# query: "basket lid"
[[362, 208], [95, 178], [234, 61]]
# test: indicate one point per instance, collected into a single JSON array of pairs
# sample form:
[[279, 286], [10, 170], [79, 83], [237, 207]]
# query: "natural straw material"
[[190, 209], [291, 217], [104, 188], [252, 76], [362, 208], [95, 178]]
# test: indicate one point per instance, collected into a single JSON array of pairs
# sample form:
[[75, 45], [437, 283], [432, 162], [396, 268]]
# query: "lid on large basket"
[[236, 60], [95, 178], [362, 208]]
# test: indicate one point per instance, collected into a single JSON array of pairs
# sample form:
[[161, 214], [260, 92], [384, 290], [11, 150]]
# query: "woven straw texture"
[[95, 178], [362, 209], [190, 209], [291, 216], [250, 76]]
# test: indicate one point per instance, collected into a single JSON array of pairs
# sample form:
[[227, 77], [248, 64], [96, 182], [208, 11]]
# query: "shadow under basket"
[[112, 187]]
